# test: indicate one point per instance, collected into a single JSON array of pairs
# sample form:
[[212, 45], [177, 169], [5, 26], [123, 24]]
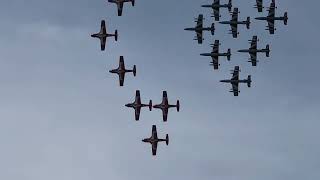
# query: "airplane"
[[216, 8], [153, 140], [120, 4], [271, 18], [137, 105], [102, 35], [259, 5], [253, 50], [121, 71], [235, 81], [164, 106], [199, 29], [215, 54], [234, 23]]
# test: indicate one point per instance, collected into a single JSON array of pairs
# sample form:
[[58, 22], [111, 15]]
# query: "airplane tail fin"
[[150, 105], [248, 23], [249, 81], [268, 50], [229, 54], [230, 5], [116, 35], [134, 70], [167, 139], [178, 105], [133, 2], [212, 28], [285, 19]]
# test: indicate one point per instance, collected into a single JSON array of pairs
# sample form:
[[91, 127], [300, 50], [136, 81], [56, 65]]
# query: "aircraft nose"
[[127, 105]]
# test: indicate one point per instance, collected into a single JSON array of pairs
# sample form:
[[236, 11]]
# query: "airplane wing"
[[271, 15], [137, 113], [272, 9], [138, 99], [121, 78], [235, 77], [154, 148], [165, 110], [103, 28], [254, 42], [120, 7], [165, 114], [235, 74], [200, 37], [103, 43], [215, 47], [253, 58], [200, 25], [234, 30], [215, 59], [121, 63], [216, 14], [271, 26], [103, 40], [234, 27], [154, 132], [200, 20], [121, 75], [259, 5], [235, 14], [215, 63], [235, 89]]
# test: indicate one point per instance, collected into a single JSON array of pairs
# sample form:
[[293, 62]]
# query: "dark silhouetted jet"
[[102, 35], [215, 54], [199, 29], [253, 51], [216, 8], [235, 81], [137, 105], [259, 5], [121, 71], [153, 140], [120, 4], [164, 106], [271, 18], [234, 23]]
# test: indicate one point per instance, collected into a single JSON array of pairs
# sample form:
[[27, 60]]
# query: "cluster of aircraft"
[[235, 80], [121, 71], [234, 22]]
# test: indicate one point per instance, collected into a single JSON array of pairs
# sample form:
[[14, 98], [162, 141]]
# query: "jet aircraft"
[[120, 4], [121, 71], [153, 140], [102, 35], [164, 106], [137, 105], [234, 23], [235, 81], [271, 18], [216, 8], [259, 5], [253, 51], [215, 54], [199, 29]]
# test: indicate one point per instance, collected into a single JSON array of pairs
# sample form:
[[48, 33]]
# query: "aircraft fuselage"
[[253, 50], [234, 81]]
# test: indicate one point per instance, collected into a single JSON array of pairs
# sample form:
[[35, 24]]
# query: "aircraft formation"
[[253, 50], [121, 71], [215, 53]]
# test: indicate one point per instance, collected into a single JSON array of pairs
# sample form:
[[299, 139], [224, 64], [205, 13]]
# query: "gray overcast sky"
[[63, 115]]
